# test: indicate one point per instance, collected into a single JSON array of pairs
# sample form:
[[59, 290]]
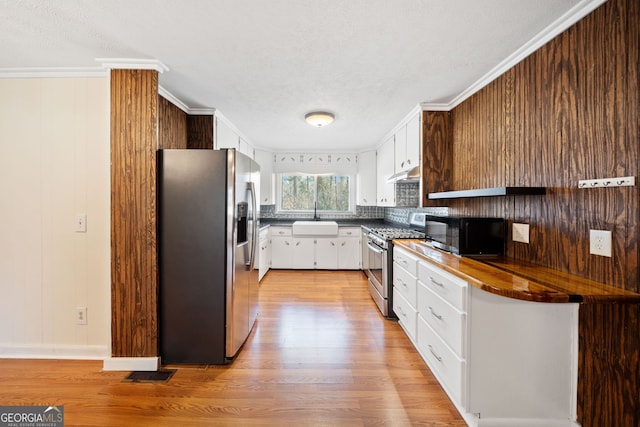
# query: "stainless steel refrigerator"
[[208, 231]]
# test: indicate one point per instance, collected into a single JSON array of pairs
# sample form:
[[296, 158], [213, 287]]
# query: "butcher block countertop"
[[518, 280]]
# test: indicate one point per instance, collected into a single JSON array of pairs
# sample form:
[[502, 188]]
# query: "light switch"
[[81, 223]]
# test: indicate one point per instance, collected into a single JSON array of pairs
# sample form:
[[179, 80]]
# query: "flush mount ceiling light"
[[319, 118]]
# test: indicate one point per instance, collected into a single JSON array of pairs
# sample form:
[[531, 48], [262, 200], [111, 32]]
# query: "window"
[[299, 192]]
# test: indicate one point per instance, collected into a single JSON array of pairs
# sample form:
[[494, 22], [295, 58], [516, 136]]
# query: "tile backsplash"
[[362, 212], [399, 215]]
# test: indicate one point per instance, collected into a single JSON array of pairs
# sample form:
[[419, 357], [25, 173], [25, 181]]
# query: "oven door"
[[377, 258]]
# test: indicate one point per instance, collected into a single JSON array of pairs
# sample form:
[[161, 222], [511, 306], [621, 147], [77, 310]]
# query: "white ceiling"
[[264, 64]]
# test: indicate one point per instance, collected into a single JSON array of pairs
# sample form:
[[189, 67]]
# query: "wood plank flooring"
[[320, 355]]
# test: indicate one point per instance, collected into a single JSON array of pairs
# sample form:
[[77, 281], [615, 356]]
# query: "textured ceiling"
[[264, 64]]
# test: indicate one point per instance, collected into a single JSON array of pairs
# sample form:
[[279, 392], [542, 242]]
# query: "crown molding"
[[202, 111], [132, 64], [556, 28], [429, 106], [172, 99], [52, 72], [181, 105]]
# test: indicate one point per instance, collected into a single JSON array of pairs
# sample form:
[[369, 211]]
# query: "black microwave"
[[466, 235]]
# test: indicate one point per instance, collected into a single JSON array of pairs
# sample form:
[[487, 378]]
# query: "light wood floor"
[[320, 355]]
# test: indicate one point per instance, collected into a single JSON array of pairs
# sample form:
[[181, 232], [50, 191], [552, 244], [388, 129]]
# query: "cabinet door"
[[349, 253], [366, 180], [385, 161], [364, 250], [263, 258], [326, 253], [281, 252], [246, 148], [401, 150], [303, 253], [414, 140], [225, 136], [267, 179]]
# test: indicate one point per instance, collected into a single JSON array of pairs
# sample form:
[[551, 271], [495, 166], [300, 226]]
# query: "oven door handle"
[[375, 248]]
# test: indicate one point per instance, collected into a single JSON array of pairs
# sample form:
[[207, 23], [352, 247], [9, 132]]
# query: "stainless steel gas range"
[[380, 259]]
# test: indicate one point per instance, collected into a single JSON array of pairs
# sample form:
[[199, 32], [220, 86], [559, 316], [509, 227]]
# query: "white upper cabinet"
[[386, 191], [227, 136], [407, 139], [367, 179], [401, 149], [267, 177], [246, 148], [414, 140]]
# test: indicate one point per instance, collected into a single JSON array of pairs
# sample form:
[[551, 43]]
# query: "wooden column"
[[134, 268]]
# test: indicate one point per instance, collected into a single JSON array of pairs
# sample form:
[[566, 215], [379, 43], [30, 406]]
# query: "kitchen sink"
[[315, 228]]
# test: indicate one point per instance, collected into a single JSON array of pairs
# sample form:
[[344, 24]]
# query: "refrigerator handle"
[[254, 228]]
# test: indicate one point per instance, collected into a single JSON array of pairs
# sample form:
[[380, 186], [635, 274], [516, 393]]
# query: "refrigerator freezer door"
[[242, 301]]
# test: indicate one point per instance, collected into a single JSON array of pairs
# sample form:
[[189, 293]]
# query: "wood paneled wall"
[[436, 154], [134, 269], [200, 131], [172, 125], [567, 112], [178, 129], [570, 112]]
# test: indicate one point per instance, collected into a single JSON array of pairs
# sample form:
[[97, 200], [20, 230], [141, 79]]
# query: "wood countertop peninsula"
[[519, 280]]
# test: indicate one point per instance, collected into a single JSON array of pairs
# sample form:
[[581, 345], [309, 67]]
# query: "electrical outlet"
[[520, 232], [600, 242], [81, 315]]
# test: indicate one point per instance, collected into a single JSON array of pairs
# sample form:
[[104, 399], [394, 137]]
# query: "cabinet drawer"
[[280, 231], [406, 284], [449, 368], [406, 260], [449, 287], [446, 320], [407, 315], [349, 231]]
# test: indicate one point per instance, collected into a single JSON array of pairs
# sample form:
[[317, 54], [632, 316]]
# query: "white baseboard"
[[45, 351], [131, 364]]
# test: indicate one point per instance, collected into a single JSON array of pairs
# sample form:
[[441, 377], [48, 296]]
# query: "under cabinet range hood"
[[410, 175]]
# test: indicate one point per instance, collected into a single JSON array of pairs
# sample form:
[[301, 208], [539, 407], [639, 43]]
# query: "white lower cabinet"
[[325, 253], [349, 248], [281, 249], [264, 253], [502, 361], [303, 256], [448, 365], [404, 290]]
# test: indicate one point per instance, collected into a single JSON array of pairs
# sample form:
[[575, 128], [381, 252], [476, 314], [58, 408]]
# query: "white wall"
[[54, 163]]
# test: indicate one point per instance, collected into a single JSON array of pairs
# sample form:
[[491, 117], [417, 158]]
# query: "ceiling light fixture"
[[319, 118]]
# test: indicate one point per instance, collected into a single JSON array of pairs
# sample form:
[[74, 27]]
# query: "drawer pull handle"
[[401, 282], [434, 314], [438, 358], [435, 282], [402, 313]]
